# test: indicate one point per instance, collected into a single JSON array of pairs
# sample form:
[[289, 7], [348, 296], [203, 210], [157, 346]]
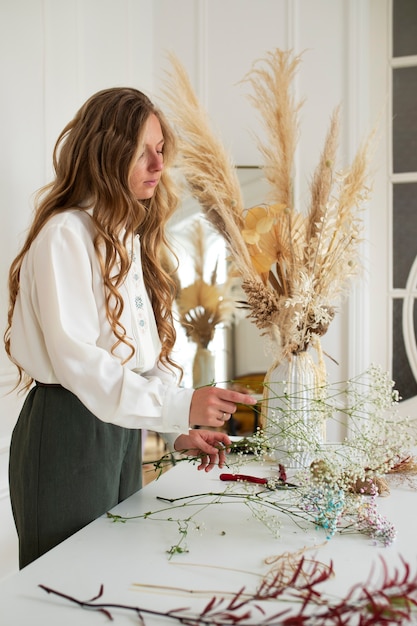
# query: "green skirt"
[[66, 468]]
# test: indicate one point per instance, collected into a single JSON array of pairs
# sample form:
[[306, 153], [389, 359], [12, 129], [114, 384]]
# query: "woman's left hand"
[[210, 444]]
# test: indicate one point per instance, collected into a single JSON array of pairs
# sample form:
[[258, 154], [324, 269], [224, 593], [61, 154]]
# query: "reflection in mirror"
[[238, 347]]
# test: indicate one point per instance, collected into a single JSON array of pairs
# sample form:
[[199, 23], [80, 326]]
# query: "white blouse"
[[60, 332]]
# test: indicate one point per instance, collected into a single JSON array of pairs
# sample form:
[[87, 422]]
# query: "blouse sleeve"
[[65, 271]]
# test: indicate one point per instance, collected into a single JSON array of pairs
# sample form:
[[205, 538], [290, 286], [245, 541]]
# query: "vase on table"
[[204, 370], [294, 422]]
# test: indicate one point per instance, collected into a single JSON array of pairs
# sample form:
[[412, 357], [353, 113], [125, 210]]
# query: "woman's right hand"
[[212, 406]]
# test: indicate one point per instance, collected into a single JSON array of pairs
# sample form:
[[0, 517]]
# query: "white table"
[[221, 555]]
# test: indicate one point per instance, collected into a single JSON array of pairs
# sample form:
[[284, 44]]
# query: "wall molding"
[[8, 377], [4, 454], [4, 444], [357, 76], [10, 405]]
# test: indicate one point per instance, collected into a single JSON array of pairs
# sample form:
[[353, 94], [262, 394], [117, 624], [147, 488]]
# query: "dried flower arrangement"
[[203, 305], [294, 266]]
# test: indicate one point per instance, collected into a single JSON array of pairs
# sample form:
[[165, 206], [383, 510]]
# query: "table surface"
[[227, 548]]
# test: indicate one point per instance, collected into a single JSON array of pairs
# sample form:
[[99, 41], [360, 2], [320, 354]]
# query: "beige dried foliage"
[[322, 181], [202, 305], [406, 465]]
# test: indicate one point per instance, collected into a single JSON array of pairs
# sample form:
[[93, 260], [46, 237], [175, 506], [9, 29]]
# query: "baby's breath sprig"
[[326, 504], [254, 448], [370, 521]]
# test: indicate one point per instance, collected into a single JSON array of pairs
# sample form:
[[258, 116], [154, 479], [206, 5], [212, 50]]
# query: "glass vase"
[[293, 414], [204, 370]]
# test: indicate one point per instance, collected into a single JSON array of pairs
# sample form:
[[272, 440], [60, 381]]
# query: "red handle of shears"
[[249, 479]]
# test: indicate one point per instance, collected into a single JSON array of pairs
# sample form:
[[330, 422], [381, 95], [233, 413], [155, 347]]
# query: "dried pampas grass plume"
[[273, 76], [209, 171]]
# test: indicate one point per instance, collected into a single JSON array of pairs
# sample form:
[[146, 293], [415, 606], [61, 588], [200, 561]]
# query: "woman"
[[90, 321]]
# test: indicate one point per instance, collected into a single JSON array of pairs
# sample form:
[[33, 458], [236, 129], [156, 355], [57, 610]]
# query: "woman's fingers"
[[212, 406], [223, 417], [211, 445]]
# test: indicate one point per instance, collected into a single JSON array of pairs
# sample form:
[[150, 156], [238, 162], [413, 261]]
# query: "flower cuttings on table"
[[295, 264], [338, 492], [291, 593], [324, 508]]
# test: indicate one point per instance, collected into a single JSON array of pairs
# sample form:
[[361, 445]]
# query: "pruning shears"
[[271, 483]]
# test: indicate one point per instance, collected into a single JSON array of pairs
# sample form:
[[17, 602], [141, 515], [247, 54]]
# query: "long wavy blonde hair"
[[92, 160]]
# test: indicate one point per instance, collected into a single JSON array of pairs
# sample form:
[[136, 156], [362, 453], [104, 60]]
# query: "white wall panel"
[[103, 45], [21, 129], [238, 33], [379, 281], [21, 166], [217, 42], [179, 28], [62, 69]]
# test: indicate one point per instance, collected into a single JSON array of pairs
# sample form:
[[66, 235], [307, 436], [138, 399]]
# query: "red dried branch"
[[392, 602]]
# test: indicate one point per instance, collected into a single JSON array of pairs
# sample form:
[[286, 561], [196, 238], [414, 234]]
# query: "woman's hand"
[[210, 444], [212, 406]]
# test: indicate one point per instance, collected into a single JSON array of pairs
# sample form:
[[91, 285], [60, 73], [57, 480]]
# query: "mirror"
[[239, 348]]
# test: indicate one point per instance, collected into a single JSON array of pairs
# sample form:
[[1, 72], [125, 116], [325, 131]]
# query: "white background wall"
[[56, 53]]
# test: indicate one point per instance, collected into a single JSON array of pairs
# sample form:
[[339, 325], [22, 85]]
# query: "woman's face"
[[149, 160]]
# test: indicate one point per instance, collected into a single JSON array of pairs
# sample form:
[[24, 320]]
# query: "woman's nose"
[[156, 162]]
